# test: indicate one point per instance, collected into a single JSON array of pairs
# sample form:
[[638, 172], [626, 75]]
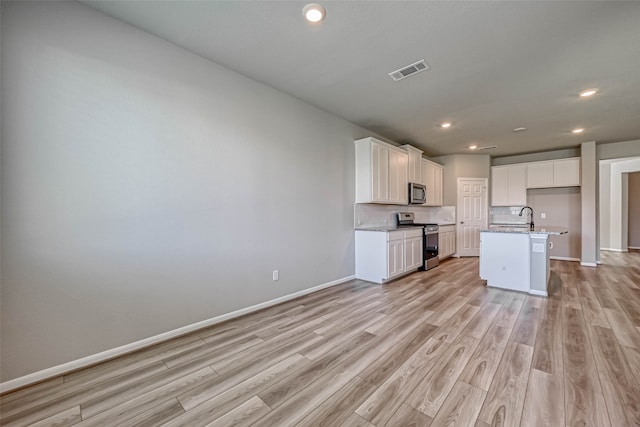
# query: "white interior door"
[[472, 215]]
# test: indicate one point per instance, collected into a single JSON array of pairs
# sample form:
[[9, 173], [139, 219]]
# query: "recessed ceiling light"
[[588, 92], [579, 130], [519, 129], [473, 147], [445, 125], [314, 12]]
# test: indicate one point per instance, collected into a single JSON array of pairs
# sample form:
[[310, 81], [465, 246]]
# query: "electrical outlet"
[[543, 215], [276, 275]]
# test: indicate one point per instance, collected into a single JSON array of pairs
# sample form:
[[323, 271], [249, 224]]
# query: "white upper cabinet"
[[509, 185], [414, 167], [554, 173], [539, 174], [566, 172], [432, 179], [381, 172], [398, 184]]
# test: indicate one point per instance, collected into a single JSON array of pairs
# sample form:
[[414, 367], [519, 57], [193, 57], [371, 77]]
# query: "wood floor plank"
[[303, 403], [623, 328], [483, 319], [391, 394], [356, 420], [462, 406], [343, 403], [212, 352], [505, 399], [277, 394], [244, 415], [526, 325], [65, 418], [406, 416], [281, 346], [592, 311], [544, 402], [226, 401], [445, 313], [547, 354], [450, 330], [431, 392], [156, 416], [615, 369], [583, 394], [26, 412], [483, 364], [257, 364], [317, 350], [147, 402]]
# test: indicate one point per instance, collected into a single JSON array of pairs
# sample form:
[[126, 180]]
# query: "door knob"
[[461, 222]]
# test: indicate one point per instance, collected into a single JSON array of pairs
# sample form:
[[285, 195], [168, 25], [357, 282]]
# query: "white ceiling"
[[495, 66]]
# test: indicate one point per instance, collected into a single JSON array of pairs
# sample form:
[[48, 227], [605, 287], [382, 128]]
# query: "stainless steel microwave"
[[417, 194]]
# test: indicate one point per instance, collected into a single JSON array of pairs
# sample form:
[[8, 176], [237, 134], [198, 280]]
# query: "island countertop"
[[543, 229]]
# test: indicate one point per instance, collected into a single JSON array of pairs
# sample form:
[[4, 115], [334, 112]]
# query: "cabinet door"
[[437, 186], [499, 186], [395, 258], [517, 185], [398, 189], [539, 174], [452, 243], [414, 165], [379, 173], [429, 171], [566, 172], [413, 253]]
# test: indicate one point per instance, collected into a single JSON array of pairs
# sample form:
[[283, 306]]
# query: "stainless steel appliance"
[[417, 194], [429, 240]]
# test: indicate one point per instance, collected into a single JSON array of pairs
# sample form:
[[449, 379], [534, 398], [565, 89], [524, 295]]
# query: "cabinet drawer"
[[417, 232], [395, 235], [447, 228]]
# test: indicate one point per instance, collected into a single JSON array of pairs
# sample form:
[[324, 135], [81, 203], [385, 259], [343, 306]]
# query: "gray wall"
[[618, 150], [562, 208], [536, 157], [145, 188], [462, 166], [634, 210]]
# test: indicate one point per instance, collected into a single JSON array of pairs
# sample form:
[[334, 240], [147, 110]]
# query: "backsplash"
[[371, 215], [507, 215]]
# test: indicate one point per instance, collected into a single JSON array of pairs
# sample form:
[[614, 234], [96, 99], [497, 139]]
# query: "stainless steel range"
[[429, 240]]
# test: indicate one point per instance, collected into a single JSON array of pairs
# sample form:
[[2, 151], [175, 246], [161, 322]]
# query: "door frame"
[[485, 183]]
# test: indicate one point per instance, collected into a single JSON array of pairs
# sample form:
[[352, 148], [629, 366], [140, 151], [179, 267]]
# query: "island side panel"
[[505, 260], [540, 264]]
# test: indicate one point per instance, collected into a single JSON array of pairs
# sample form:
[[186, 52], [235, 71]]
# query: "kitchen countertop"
[[386, 228], [549, 229]]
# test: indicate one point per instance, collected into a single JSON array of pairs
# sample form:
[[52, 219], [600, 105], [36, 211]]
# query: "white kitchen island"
[[517, 258]]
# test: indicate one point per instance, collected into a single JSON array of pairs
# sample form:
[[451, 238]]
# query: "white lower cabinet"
[[385, 255], [413, 256], [446, 241]]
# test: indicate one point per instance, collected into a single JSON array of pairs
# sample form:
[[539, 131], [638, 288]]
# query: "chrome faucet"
[[531, 226]]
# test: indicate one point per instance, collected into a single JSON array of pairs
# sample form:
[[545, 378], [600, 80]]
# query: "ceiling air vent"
[[488, 147], [409, 70]]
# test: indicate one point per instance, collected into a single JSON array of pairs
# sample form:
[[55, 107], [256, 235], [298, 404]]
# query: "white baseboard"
[[588, 264], [563, 258], [128, 348], [634, 247], [613, 250], [539, 293]]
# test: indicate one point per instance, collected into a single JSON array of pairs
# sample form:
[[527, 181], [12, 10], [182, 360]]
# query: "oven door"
[[431, 258]]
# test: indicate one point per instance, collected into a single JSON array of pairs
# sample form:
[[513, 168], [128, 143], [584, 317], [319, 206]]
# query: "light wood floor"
[[434, 348]]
